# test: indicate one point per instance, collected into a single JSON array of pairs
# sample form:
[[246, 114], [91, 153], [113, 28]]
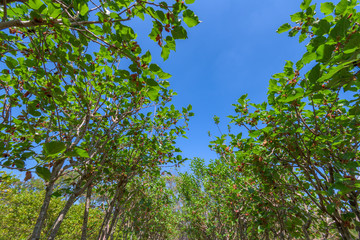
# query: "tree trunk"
[[344, 232], [355, 209], [55, 228], [48, 192], [77, 192], [306, 226], [105, 225], [42, 215], [86, 213], [114, 221]]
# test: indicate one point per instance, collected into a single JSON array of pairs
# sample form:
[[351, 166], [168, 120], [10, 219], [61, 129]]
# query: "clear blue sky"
[[235, 50]]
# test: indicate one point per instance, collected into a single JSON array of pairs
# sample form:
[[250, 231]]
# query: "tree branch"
[[33, 23]]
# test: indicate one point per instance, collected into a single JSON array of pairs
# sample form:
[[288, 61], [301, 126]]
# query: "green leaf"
[[340, 29], [273, 86], [165, 84], [151, 82], [308, 57], [189, 1], [54, 148], [284, 28], [179, 32], [43, 173], [78, 152], [160, 15], [146, 58], [332, 71], [11, 62], [323, 27], [216, 119], [165, 52], [340, 78], [314, 73], [310, 11], [293, 32], [302, 37], [190, 18], [32, 110], [66, 22], [35, 4], [54, 11], [305, 4], [154, 68], [164, 75], [295, 94], [83, 9], [341, 7], [297, 16], [57, 193], [327, 8], [170, 43], [153, 93], [324, 52], [288, 68], [353, 44], [157, 70], [19, 163]]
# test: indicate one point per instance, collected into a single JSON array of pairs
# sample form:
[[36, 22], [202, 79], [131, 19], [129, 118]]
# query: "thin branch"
[[33, 23]]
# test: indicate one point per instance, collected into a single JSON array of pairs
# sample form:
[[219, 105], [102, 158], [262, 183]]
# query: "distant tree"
[[20, 203]]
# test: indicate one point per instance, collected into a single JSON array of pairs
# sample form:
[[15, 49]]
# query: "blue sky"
[[235, 50]]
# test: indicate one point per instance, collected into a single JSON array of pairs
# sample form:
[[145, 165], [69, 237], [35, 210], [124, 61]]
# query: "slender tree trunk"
[[114, 229], [42, 215], [55, 228], [267, 234], [105, 225], [114, 221], [355, 209], [306, 226], [344, 232], [77, 192], [45, 206], [86, 213], [242, 228], [73, 197]]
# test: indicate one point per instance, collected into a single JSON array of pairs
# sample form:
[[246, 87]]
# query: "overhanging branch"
[[33, 23]]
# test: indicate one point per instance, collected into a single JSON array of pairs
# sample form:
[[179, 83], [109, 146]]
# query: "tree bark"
[[86, 213], [114, 221], [103, 232], [60, 218], [45, 206], [77, 192], [42, 215], [344, 232]]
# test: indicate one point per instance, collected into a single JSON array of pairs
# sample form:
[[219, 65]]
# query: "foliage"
[[147, 210], [300, 155], [80, 98], [96, 133], [21, 202]]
